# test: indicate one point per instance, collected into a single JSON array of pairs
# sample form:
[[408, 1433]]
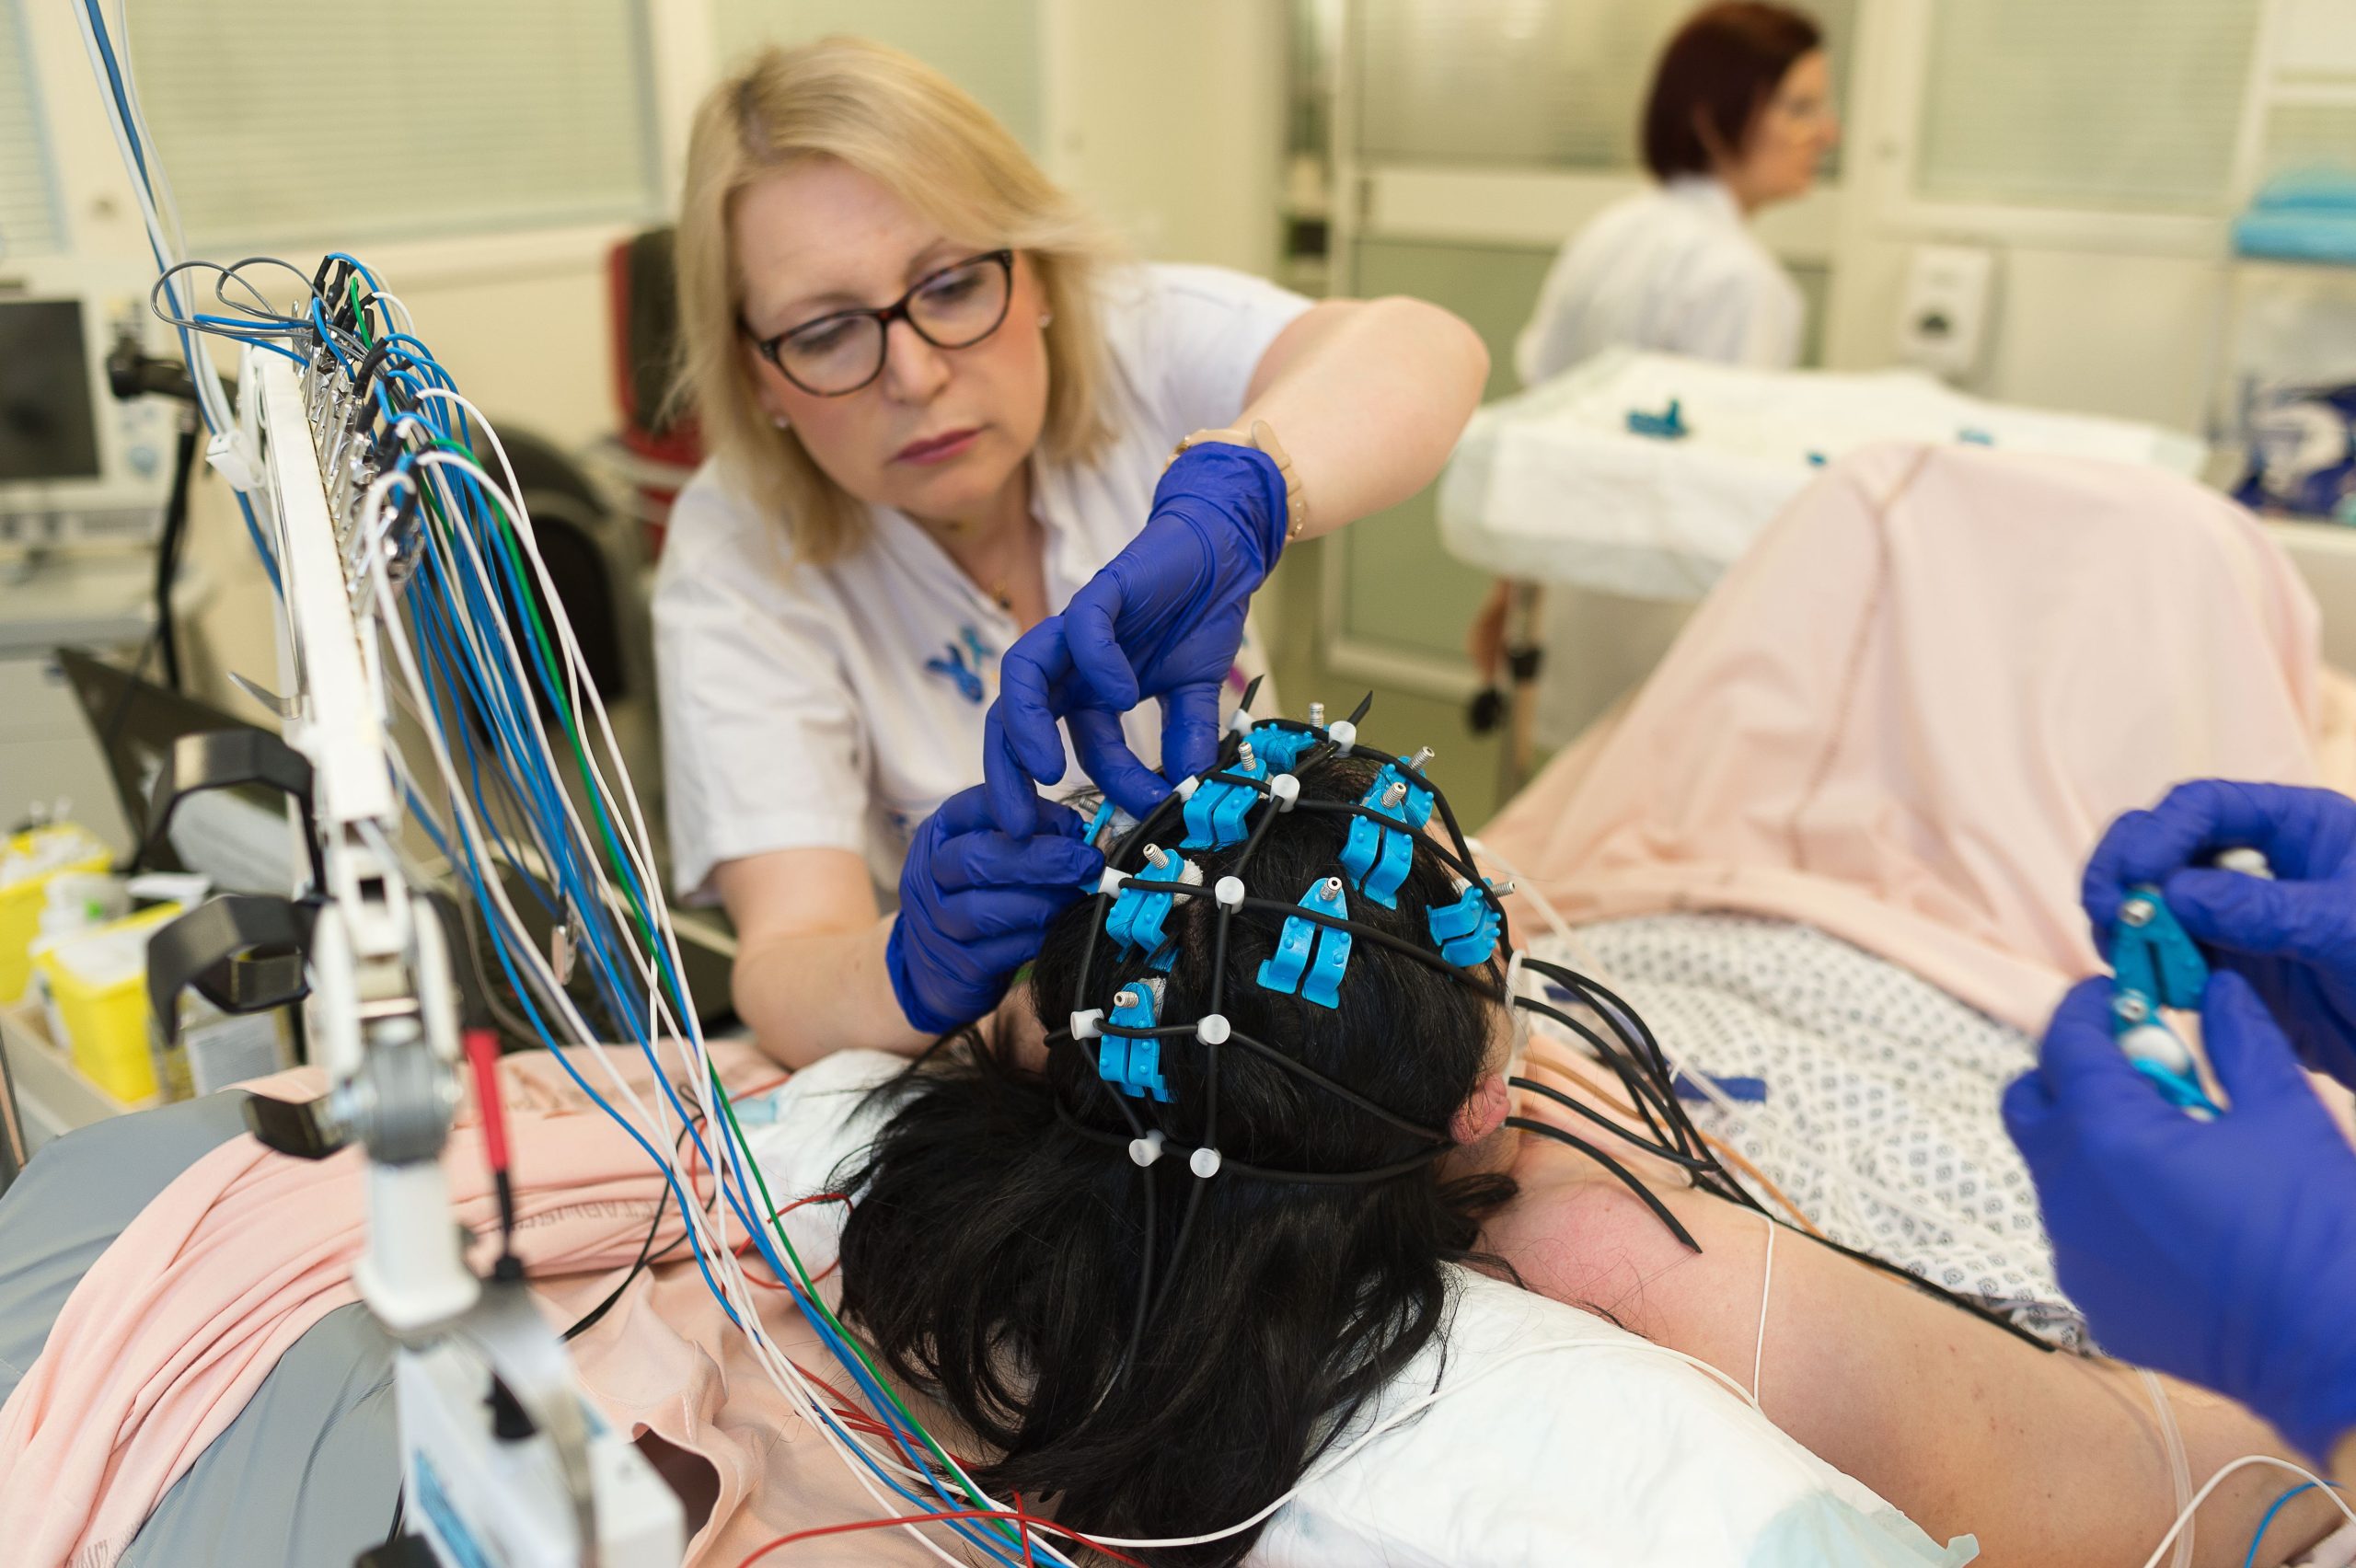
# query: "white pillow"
[[1561, 1439]]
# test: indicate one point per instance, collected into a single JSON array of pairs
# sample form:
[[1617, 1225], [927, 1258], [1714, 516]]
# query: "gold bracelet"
[[1260, 438]]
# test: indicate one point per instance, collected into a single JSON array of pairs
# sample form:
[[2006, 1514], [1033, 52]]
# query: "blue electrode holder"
[[1667, 425], [1309, 959], [2153, 965], [1377, 858], [1139, 907], [1217, 809], [1132, 1063], [1279, 746], [1466, 930]]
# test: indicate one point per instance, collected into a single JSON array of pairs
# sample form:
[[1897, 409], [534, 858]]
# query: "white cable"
[[2185, 1518], [131, 139], [1766, 1294], [725, 1269], [780, 1367]]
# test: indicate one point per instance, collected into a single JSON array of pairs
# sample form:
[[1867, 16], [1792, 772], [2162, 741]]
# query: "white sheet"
[[1552, 486]]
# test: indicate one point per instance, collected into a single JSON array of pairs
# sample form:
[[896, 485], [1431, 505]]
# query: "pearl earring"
[[781, 422], [1045, 317]]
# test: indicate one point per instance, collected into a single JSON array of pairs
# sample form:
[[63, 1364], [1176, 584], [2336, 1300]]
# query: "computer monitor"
[[77, 465]]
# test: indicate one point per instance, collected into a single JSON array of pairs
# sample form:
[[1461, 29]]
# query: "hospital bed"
[[1628, 485]]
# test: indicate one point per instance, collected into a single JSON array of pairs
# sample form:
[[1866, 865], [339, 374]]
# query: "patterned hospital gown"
[[1880, 1118]]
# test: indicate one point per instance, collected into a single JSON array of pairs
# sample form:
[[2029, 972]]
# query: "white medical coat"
[[1675, 270], [836, 706]]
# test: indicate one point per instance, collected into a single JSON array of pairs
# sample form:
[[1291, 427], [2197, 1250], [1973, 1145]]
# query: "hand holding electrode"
[[2223, 1251], [975, 903], [1163, 620], [2292, 937]]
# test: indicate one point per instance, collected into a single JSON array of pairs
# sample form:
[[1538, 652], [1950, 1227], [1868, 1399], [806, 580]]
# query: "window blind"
[[2127, 105], [1508, 82], [292, 120], [29, 222], [993, 49], [2310, 135]]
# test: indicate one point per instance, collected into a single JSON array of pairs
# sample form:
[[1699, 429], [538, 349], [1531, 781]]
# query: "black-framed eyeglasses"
[[839, 353]]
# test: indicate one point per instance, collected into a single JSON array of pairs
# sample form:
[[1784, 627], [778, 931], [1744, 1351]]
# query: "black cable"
[[646, 1258], [1686, 1161], [167, 548], [1628, 1178]]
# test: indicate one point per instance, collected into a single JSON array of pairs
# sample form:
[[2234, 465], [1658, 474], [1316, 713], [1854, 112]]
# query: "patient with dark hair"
[[1156, 1274]]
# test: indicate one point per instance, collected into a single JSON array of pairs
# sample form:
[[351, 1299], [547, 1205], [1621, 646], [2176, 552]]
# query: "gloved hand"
[[2222, 1251], [975, 903], [2295, 938], [1163, 620]]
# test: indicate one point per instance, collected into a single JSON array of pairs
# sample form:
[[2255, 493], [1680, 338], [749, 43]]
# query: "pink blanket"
[[1906, 716], [172, 1329]]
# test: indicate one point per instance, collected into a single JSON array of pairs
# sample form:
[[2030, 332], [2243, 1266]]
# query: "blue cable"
[[848, 1361], [2268, 1517], [736, 1188], [528, 774]]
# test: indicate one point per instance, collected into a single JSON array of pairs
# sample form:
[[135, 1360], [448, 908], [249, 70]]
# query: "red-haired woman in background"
[[1739, 116]]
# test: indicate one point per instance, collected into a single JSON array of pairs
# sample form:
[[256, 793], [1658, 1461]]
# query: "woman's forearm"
[[806, 994], [1367, 397]]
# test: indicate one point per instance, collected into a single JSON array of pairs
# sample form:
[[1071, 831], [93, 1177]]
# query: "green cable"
[[769, 1207], [359, 316]]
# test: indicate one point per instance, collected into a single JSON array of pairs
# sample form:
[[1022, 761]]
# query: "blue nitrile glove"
[[2222, 1251], [1163, 620], [975, 903], [2294, 938]]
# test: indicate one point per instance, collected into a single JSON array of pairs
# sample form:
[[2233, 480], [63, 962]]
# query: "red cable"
[[482, 1055], [1022, 1533], [1024, 1519]]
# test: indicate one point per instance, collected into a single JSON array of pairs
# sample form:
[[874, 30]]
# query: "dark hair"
[[996, 1251], [1719, 70]]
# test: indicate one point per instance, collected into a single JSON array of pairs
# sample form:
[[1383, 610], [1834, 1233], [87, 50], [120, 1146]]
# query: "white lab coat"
[[1676, 270]]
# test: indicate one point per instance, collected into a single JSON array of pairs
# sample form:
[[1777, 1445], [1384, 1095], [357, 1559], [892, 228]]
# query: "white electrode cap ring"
[[1109, 882], [1212, 1029], [1229, 892], [1344, 734], [1204, 1163], [1185, 789], [1284, 788], [1084, 1024], [1144, 1151]]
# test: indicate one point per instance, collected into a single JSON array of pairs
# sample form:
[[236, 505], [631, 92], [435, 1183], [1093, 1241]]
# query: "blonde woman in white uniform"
[[1739, 116], [942, 417]]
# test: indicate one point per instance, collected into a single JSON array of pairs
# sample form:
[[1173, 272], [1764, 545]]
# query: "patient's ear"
[[1484, 1113]]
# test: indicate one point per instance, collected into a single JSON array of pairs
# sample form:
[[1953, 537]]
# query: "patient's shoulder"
[[1577, 1233]]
